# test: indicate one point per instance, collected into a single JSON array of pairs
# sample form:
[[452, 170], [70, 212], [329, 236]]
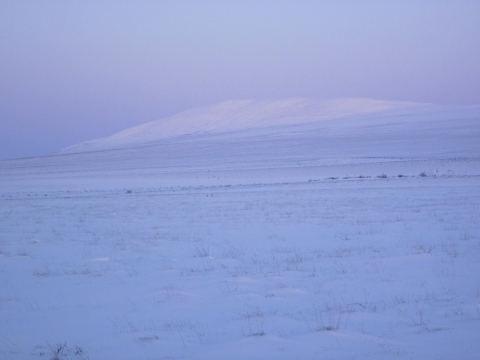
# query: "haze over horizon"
[[77, 71]]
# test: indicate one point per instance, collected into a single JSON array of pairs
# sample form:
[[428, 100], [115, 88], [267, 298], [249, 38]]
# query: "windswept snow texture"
[[289, 229]]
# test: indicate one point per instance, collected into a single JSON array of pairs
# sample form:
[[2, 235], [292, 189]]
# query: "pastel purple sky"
[[77, 70]]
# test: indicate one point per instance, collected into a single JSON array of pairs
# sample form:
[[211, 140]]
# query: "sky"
[[72, 71]]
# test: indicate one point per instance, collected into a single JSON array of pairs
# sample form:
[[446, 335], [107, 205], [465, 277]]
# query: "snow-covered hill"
[[256, 116], [247, 141]]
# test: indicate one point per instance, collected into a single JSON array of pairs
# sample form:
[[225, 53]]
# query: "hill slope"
[[265, 116], [243, 142]]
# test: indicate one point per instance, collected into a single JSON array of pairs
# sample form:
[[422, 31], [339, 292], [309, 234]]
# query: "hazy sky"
[[77, 70]]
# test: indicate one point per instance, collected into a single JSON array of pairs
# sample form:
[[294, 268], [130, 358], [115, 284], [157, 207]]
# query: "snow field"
[[289, 229], [337, 269]]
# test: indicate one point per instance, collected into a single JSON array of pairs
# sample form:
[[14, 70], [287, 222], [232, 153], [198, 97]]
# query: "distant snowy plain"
[[291, 229]]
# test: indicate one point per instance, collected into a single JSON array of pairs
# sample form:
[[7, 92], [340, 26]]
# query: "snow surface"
[[289, 229], [248, 115]]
